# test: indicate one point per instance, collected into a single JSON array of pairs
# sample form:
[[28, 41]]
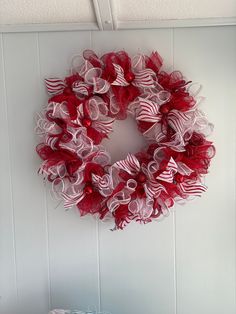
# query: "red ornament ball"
[[88, 189], [141, 177], [179, 178], [129, 77], [86, 122], [164, 109]]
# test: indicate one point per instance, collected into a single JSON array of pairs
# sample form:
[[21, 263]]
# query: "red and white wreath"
[[80, 114]]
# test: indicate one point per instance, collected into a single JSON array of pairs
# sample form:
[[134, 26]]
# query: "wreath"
[[80, 114]]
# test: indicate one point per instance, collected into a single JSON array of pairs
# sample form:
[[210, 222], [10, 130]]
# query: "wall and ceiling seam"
[[112, 15]]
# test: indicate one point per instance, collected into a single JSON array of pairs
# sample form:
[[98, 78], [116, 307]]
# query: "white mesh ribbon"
[[80, 114], [143, 208], [122, 197]]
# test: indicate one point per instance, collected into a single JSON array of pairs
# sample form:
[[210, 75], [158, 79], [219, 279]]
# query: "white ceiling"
[[46, 11], [115, 12], [174, 9]]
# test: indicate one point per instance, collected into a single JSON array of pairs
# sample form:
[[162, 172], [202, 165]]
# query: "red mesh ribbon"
[[80, 114]]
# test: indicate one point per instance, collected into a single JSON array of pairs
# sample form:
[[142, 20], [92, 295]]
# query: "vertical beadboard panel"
[[8, 289], [205, 229], [47, 254], [72, 239], [23, 95], [137, 264]]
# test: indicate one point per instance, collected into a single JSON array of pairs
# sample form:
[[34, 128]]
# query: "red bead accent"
[[164, 109], [129, 77], [88, 189], [68, 91], [141, 177], [179, 178], [86, 122]]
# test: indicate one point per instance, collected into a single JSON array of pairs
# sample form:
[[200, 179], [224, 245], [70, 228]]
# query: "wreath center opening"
[[124, 139]]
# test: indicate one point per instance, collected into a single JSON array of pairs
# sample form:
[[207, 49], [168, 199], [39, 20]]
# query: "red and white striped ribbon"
[[154, 188], [104, 126], [149, 111], [138, 62], [181, 121], [189, 187], [81, 88], [120, 79], [168, 174], [130, 164], [104, 184], [54, 86], [144, 78]]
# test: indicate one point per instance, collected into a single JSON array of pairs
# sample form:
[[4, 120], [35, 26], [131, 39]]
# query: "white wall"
[[52, 258]]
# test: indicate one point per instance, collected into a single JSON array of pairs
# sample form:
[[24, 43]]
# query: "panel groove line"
[[98, 267], [45, 195], [8, 143], [174, 212], [10, 162]]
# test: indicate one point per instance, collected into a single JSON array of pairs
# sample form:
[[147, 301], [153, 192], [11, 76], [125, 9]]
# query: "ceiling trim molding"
[[104, 14], [176, 23], [119, 25], [57, 27]]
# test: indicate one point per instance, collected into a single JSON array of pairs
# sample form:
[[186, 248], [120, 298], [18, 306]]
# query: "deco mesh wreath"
[[79, 115]]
